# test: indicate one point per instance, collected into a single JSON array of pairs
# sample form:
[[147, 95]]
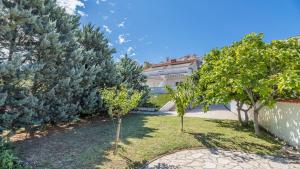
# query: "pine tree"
[[93, 41], [59, 83], [130, 74], [17, 104], [50, 69]]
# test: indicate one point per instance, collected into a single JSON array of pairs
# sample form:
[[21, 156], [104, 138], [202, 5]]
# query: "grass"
[[159, 100], [144, 137]]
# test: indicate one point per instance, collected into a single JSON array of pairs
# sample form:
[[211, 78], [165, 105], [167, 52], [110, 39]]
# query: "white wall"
[[283, 120]]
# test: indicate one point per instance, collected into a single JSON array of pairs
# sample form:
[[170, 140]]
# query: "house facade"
[[170, 72]]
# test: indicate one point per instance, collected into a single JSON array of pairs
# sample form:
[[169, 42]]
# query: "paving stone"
[[220, 159]]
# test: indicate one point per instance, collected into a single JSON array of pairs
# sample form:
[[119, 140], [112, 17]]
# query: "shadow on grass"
[[214, 140], [235, 125], [82, 146]]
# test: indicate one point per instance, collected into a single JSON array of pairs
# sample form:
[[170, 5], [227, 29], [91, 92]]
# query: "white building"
[[171, 72]]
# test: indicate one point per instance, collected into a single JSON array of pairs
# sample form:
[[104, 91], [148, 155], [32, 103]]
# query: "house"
[[170, 72]]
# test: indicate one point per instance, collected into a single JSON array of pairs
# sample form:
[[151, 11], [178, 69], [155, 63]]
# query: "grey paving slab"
[[221, 159]]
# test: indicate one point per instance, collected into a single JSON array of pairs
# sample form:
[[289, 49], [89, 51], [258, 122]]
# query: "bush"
[[7, 159]]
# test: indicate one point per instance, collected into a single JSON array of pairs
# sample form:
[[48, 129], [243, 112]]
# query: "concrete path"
[[221, 159], [216, 112]]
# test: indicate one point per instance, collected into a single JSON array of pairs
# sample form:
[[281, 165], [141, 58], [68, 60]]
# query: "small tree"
[[120, 102], [182, 96]]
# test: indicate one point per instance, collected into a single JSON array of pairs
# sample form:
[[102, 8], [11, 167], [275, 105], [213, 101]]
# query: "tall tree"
[[17, 25], [130, 73], [93, 40]]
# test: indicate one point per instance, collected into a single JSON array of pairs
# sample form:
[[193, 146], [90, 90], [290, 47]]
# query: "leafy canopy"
[[182, 96], [119, 100], [250, 71]]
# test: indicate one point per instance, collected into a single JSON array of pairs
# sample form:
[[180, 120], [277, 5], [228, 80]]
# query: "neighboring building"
[[171, 72]]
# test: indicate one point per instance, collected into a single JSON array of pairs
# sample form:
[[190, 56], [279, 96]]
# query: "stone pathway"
[[221, 159]]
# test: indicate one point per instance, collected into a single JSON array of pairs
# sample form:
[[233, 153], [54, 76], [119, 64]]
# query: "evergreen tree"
[[93, 40], [57, 84], [130, 73], [17, 104]]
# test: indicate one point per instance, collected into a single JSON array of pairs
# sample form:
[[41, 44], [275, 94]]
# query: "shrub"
[[7, 159]]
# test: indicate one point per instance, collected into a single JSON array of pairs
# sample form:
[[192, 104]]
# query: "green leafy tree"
[[214, 85], [130, 73], [120, 101], [182, 96], [251, 72]]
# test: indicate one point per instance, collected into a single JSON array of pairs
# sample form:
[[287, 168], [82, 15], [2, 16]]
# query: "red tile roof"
[[172, 63]]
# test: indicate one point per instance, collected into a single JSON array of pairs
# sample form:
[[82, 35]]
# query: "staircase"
[[168, 106]]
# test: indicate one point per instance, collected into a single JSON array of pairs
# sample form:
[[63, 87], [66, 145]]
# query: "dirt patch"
[[74, 145]]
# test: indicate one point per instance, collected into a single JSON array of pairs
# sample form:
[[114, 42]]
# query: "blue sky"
[[151, 30]]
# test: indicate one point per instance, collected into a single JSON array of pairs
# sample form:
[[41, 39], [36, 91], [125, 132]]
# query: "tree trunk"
[[239, 109], [117, 134], [246, 117], [255, 121], [239, 116], [181, 123]]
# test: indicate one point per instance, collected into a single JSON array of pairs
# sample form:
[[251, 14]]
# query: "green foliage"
[[50, 68], [250, 71], [17, 105], [99, 58], [7, 158], [182, 97], [130, 73], [265, 71], [120, 101], [158, 100]]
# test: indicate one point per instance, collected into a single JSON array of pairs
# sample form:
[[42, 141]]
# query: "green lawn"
[[159, 100], [143, 138]]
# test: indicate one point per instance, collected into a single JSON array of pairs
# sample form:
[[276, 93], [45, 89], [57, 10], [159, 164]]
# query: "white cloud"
[[70, 5], [121, 39], [98, 1], [112, 11], [122, 24], [81, 13], [106, 28], [130, 49]]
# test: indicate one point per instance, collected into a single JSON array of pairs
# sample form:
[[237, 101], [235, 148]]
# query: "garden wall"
[[283, 120]]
